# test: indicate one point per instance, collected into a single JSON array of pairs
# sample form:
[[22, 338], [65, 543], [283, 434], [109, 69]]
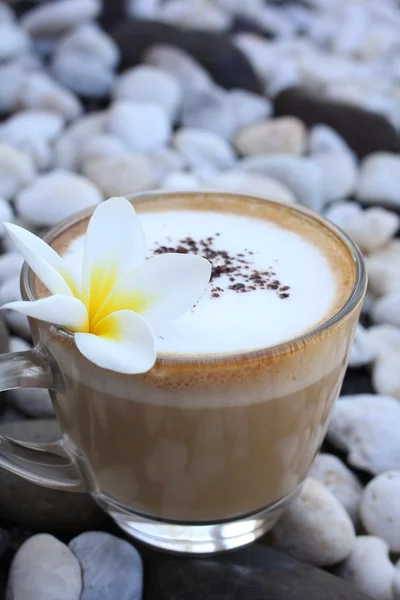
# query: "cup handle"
[[47, 463]]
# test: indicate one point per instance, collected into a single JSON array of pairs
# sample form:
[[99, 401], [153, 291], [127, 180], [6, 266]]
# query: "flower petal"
[[122, 342], [43, 260], [114, 244], [58, 309], [161, 288]]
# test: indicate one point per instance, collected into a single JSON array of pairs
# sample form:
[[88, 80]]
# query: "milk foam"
[[233, 321]]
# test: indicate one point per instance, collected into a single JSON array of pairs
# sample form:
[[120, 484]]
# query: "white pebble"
[[28, 125], [203, 150], [68, 146], [13, 40], [18, 323], [379, 177], [260, 52], [210, 109], [369, 567], [384, 338], [102, 145], [315, 528], [367, 426], [51, 19], [55, 196], [10, 289], [181, 180], [250, 183], [12, 75], [283, 135], [387, 309], [323, 139], [143, 127], [386, 373], [149, 84], [10, 265], [166, 160], [380, 508], [84, 74], [7, 14], [90, 39], [6, 214], [362, 351], [384, 269], [120, 175], [38, 90], [339, 174], [329, 470], [200, 14], [248, 107], [16, 170]]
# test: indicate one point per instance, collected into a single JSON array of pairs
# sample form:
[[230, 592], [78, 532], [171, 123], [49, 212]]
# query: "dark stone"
[[245, 24], [4, 541], [215, 52], [112, 568], [112, 12], [256, 572], [38, 508], [364, 131]]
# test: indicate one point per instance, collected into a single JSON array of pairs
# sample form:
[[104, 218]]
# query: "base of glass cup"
[[192, 538]]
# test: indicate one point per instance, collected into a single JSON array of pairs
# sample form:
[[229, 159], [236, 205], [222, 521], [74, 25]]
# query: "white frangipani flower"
[[117, 299]]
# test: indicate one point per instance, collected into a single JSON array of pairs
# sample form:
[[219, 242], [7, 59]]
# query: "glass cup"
[[197, 455]]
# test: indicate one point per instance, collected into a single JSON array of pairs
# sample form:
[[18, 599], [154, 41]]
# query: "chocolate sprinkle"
[[234, 266]]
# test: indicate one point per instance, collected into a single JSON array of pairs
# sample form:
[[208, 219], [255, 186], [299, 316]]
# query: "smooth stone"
[[378, 180], [387, 309], [254, 572], [10, 265], [4, 337], [339, 173], [299, 174], [166, 160], [55, 196], [39, 508], [369, 567], [7, 15], [315, 528], [111, 567], [142, 127], [248, 107], [371, 229], [384, 269], [82, 73], [89, 39], [366, 426], [149, 84], [181, 66], [28, 126], [203, 150], [384, 338], [103, 145], [7, 215], [364, 131], [68, 146], [10, 289], [380, 509], [39, 91], [44, 569], [4, 541], [323, 138], [329, 470], [362, 351], [396, 584], [198, 14], [143, 9], [250, 183], [211, 110], [226, 64], [285, 135], [119, 175], [181, 180], [51, 19], [13, 40], [16, 170], [260, 52], [12, 76], [386, 373]]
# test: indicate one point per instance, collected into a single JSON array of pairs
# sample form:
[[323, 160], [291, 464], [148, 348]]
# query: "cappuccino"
[[228, 421]]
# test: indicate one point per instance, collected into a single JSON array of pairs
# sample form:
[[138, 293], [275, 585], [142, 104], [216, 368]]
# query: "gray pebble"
[[112, 568]]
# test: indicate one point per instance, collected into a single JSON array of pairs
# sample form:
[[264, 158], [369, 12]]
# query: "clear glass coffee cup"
[[200, 454]]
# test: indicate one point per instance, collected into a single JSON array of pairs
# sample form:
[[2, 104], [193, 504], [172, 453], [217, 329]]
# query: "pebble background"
[[295, 100]]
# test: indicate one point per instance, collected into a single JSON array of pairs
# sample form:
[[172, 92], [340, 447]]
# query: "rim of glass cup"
[[357, 293]]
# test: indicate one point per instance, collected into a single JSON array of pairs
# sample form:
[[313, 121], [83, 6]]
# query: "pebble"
[[90, 40], [371, 229], [315, 528], [250, 183], [119, 175], [102, 145], [260, 52], [27, 126], [369, 567], [359, 424], [55, 196], [10, 264], [386, 373], [35, 507], [4, 337], [16, 170], [4, 541], [40, 91], [203, 150], [378, 179], [384, 338], [199, 14], [111, 567], [166, 160], [7, 14], [380, 508], [12, 75], [384, 269], [51, 19], [387, 309], [181, 180], [299, 174], [339, 174], [396, 584], [6, 214], [248, 107], [68, 146], [323, 139], [362, 351], [84, 74], [209, 109], [18, 323], [13, 41], [329, 470], [149, 84], [181, 66], [143, 127], [285, 135], [44, 569]]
